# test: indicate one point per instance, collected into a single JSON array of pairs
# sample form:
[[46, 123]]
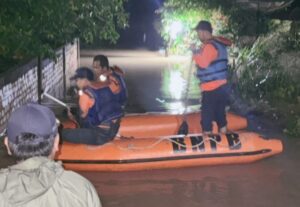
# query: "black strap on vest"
[[207, 74], [221, 60]]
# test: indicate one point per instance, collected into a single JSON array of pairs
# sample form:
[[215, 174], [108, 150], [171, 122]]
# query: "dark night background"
[[141, 32], [142, 18]]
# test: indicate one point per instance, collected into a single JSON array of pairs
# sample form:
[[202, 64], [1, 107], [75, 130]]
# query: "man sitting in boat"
[[100, 111], [114, 75], [36, 180]]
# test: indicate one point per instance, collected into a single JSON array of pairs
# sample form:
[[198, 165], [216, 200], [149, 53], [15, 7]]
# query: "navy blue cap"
[[31, 118], [204, 25], [83, 72]]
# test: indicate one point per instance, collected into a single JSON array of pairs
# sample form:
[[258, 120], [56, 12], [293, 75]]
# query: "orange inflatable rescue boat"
[[149, 141]]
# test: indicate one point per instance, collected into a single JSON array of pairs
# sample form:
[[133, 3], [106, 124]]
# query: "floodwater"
[[155, 83], [272, 182], [158, 84]]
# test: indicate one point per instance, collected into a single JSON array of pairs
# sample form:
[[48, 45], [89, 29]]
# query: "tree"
[[231, 17], [178, 23], [30, 28]]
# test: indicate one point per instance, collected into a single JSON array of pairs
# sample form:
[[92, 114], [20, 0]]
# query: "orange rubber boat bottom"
[[159, 153]]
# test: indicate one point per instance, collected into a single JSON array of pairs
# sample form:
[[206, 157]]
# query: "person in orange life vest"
[[114, 75], [100, 112], [211, 61]]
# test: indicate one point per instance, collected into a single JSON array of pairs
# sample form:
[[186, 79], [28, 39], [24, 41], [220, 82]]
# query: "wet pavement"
[[158, 84]]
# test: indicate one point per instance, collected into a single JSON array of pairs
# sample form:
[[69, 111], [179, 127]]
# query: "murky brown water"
[[158, 84], [271, 182]]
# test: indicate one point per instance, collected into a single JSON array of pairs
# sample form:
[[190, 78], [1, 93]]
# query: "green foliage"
[[227, 17], [32, 28], [293, 126], [262, 79], [188, 19], [292, 43], [261, 74], [246, 22], [240, 19]]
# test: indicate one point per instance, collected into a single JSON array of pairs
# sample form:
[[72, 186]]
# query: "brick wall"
[[20, 85]]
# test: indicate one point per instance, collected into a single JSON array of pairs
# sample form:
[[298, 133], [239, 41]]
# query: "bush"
[[178, 40], [262, 79]]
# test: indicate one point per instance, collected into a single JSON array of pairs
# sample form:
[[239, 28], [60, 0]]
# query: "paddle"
[[3, 133], [184, 127], [62, 104], [55, 100]]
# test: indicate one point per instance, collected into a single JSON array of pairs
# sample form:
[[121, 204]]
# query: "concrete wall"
[[20, 85]]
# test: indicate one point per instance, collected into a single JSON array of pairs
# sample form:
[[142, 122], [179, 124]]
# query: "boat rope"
[[165, 137], [171, 139]]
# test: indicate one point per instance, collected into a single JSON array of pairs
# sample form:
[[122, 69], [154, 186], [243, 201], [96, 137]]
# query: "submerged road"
[[156, 83]]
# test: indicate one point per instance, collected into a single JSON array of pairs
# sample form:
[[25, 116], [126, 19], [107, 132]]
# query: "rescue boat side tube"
[[159, 153]]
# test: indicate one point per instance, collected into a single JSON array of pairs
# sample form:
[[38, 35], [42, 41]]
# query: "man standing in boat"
[[36, 180], [211, 61], [100, 111], [114, 75]]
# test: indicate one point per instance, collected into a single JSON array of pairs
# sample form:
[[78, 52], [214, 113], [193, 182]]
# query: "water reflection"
[[175, 95], [175, 107], [158, 84], [272, 182], [176, 83]]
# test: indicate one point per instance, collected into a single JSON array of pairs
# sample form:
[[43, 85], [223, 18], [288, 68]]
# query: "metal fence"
[[25, 83]]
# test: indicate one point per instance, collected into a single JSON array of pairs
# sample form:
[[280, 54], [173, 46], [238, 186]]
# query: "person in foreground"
[[114, 75], [37, 180], [100, 112], [211, 61]]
